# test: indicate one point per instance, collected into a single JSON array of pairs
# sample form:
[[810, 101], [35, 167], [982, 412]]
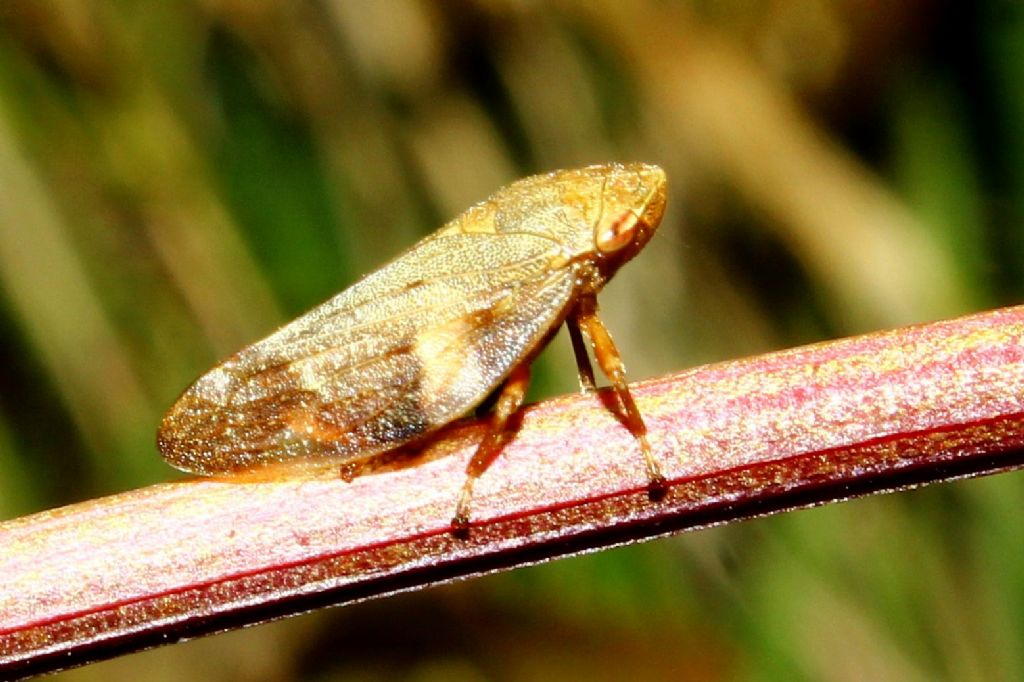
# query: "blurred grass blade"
[[46, 285]]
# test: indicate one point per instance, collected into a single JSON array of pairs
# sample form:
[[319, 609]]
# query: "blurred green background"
[[178, 178]]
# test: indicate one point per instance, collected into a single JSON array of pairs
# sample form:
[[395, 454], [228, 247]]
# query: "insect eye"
[[616, 234]]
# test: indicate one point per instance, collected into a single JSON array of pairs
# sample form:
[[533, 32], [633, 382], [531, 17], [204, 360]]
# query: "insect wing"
[[404, 351]]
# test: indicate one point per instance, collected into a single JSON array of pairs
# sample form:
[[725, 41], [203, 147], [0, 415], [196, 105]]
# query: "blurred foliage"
[[177, 178]]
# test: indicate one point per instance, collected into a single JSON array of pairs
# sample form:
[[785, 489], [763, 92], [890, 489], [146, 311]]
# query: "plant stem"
[[802, 427]]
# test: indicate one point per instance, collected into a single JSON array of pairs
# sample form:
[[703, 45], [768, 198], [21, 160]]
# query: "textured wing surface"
[[404, 351]]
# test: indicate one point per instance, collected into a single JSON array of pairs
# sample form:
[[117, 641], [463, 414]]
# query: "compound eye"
[[617, 234]]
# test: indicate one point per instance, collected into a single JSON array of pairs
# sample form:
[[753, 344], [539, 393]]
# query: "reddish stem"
[[805, 426]]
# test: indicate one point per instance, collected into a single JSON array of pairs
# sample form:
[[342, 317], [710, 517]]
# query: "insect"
[[428, 337]]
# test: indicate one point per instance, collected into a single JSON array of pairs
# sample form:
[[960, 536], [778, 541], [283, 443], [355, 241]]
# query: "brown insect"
[[425, 339]]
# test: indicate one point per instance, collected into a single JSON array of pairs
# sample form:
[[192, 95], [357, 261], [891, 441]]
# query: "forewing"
[[404, 351]]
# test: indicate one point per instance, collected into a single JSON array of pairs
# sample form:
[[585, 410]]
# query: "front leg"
[[610, 361], [584, 369]]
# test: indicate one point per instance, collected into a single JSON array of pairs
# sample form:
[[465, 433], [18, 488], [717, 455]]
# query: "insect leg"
[[611, 364], [579, 349], [513, 391]]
